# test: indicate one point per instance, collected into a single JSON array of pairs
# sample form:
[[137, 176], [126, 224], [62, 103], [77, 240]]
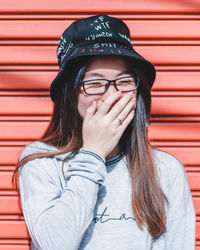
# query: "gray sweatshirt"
[[90, 206]]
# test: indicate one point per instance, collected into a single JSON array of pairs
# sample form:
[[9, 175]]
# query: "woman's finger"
[[128, 108], [90, 111], [106, 105], [126, 121], [118, 108]]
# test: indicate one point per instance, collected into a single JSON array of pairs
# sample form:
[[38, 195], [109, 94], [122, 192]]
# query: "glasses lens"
[[95, 86], [127, 83]]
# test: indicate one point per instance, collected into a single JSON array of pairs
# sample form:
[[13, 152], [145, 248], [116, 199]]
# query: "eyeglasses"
[[100, 86]]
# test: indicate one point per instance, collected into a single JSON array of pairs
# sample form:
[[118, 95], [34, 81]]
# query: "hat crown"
[[94, 29], [96, 36]]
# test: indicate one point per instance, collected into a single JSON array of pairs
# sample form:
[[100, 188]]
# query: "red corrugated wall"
[[167, 32]]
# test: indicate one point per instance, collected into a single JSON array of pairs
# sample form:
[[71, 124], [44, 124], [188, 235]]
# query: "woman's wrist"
[[93, 152]]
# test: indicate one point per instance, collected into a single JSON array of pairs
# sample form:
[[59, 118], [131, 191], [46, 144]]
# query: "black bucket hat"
[[97, 35]]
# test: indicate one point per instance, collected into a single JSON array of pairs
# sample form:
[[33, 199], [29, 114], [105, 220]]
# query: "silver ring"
[[120, 121]]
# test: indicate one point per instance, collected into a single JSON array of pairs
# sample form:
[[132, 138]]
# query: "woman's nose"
[[111, 89]]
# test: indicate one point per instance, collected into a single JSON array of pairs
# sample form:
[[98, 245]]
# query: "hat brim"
[[144, 65]]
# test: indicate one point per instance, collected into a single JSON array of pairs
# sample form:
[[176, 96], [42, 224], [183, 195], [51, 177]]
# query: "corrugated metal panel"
[[166, 32]]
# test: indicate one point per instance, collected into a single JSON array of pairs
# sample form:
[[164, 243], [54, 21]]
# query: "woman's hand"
[[102, 129]]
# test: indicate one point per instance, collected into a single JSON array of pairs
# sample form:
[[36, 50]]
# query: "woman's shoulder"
[[35, 163], [49, 163], [47, 169], [164, 157], [169, 167], [37, 147]]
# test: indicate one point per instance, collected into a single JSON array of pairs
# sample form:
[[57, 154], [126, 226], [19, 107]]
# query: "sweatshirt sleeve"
[[55, 218], [180, 233]]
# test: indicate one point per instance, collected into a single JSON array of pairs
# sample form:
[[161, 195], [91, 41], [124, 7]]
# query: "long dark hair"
[[65, 133]]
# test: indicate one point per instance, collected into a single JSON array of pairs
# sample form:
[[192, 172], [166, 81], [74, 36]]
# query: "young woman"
[[93, 181]]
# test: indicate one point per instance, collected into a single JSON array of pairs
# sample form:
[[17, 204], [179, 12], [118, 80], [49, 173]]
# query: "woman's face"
[[101, 67]]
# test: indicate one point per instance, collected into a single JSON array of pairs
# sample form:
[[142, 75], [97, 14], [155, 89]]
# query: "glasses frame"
[[109, 82]]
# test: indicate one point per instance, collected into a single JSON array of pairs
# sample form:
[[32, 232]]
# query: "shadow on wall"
[[159, 3], [191, 3]]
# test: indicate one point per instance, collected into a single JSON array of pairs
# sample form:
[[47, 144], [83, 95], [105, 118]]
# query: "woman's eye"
[[97, 85], [93, 85], [125, 82]]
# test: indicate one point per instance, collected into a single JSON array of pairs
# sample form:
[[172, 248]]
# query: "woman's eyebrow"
[[100, 75], [95, 74], [124, 72]]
